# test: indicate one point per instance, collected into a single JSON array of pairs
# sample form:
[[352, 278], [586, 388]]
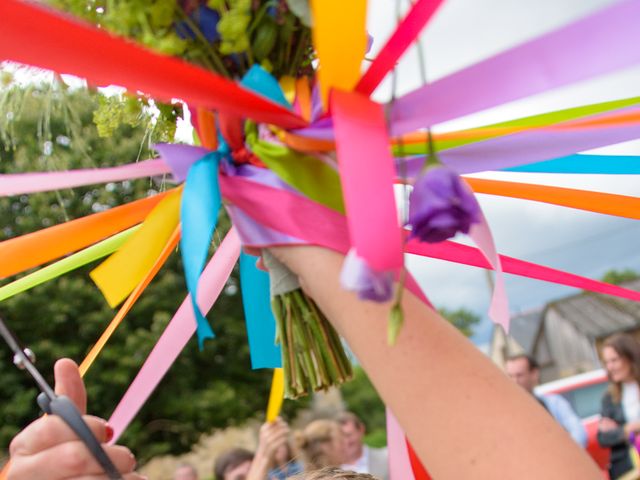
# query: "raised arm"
[[462, 415]]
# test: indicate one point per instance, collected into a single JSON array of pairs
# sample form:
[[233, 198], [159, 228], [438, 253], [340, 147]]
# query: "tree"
[[463, 319], [204, 389], [620, 276]]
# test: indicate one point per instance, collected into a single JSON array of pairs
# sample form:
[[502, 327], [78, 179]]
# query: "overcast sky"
[[464, 32]]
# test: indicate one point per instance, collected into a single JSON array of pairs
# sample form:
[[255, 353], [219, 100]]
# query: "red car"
[[584, 392]]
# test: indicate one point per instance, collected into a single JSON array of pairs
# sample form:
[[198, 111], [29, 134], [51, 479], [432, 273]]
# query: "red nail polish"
[[108, 430]]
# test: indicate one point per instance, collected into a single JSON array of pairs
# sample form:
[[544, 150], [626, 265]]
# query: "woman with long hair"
[[620, 421]]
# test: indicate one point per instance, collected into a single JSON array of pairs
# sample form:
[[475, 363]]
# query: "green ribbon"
[[72, 262]]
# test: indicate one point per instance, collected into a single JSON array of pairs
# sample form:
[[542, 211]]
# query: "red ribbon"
[[38, 36]]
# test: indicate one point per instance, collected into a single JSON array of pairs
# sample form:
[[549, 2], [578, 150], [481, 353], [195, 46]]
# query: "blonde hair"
[[332, 473], [314, 442]]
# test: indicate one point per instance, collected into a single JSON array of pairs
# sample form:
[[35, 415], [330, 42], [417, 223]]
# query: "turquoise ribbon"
[[199, 209], [256, 297], [261, 325], [262, 82], [599, 164]]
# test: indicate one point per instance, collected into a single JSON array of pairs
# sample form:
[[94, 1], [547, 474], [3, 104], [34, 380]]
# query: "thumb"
[[70, 384]]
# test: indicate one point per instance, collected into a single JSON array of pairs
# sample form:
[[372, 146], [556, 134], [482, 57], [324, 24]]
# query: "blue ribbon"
[[262, 82], [600, 164], [256, 297], [199, 209], [261, 325], [201, 202]]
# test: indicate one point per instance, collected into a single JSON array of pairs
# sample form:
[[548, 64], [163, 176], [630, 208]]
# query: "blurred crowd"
[[333, 448]]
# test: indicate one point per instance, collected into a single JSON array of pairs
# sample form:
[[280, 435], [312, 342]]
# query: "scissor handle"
[[63, 407]]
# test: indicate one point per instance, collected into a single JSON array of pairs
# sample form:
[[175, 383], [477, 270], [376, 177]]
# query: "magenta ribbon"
[[367, 173], [404, 35], [313, 223]]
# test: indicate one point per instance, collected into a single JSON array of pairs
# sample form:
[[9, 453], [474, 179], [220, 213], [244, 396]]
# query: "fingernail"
[[108, 431]]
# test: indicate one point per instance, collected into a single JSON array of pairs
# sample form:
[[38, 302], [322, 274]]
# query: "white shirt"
[[361, 465], [631, 401]]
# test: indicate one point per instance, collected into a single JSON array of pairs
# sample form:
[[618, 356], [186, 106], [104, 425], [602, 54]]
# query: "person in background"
[[332, 473], [322, 445], [284, 463], [620, 422], [185, 471], [274, 457], [358, 456], [525, 371], [233, 464]]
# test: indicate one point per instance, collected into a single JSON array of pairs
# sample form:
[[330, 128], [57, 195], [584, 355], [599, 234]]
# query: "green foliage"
[[361, 398], [463, 319], [204, 389], [620, 276]]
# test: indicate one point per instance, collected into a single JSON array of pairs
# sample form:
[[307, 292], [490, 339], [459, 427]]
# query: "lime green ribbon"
[[306, 173], [72, 262]]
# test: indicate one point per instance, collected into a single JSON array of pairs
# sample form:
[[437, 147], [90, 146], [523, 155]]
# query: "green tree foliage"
[[463, 319], [204, 389], [620, 276]]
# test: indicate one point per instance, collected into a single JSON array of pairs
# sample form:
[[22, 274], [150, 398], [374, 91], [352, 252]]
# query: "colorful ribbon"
[[72, 262], [261, 325], [117, 276], [295, 215], [595, 164], [340, 40], [168, 249], [174, 338], [103, 59], [201, 203], [276, 395], [367, 175], [33, 249], [599, 202], [21, 183], [404, 35], [544, 63]]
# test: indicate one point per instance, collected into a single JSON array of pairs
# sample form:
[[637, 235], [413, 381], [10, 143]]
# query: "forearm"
[[259, 466], [464, 418]]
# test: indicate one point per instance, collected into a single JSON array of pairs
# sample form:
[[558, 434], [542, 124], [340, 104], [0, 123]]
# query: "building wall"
[[562, 350], [502, 347]]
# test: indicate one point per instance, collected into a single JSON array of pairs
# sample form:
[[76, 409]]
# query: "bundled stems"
[[313, 357]]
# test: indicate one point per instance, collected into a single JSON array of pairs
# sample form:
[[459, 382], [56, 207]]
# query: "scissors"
[[59, 405]]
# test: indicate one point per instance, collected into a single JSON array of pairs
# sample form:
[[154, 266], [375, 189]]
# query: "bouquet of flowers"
[[266, 46]]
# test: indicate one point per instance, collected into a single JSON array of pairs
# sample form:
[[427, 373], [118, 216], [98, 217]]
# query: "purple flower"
[[206, 20], [441, 205], [357, 276]]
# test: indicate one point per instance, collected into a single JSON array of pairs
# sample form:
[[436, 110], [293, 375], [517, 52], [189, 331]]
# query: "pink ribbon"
[[295, 215], [367, 172], [399, 463], [177, 334], [21, 183]]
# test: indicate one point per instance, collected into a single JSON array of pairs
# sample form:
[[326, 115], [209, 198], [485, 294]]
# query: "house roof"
[[524, 328], [598, 315]]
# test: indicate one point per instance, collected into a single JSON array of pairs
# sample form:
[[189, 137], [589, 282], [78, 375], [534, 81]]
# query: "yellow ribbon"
[[276, 397]]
